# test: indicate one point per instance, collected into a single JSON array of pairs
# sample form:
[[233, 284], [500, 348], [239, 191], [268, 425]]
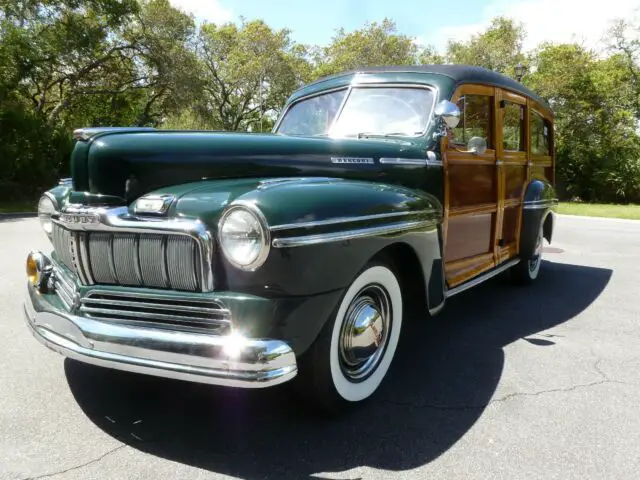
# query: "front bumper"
[[219, 360]]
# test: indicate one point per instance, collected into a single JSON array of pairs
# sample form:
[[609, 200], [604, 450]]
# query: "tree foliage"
[[71, 63]]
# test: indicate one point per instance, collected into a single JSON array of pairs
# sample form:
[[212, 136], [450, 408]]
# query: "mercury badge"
[[78, 218], [351, 160]]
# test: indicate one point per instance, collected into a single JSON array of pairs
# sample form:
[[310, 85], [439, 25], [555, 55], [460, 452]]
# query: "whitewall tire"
[[527, 270], [351, 356]]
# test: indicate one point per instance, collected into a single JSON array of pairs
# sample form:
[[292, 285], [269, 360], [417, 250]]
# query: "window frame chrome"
[[355, 83]]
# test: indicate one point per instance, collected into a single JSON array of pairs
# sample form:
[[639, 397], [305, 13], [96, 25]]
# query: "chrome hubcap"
[[365, 332]]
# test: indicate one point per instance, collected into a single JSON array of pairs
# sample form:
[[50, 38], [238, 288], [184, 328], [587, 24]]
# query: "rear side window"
[[540, 135], [475, 119], [513, 127]]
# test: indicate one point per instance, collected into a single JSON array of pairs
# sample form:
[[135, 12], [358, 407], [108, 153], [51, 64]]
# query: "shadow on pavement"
[[442, 378]]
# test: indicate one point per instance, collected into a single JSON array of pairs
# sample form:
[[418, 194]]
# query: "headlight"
[[47, 206], [244, 237]]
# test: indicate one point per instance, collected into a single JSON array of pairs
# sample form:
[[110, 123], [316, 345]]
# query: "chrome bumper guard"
[[227, 360]]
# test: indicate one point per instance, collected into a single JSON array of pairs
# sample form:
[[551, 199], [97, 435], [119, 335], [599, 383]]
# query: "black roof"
[[459, 73]]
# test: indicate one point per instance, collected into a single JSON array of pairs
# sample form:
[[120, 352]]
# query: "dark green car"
[[246, 260]]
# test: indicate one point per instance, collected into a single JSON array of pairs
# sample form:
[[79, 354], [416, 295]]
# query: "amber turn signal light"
[[32, 269], [37, 268]]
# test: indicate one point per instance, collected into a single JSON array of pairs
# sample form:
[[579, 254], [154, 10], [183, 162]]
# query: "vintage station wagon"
[[246, 260]]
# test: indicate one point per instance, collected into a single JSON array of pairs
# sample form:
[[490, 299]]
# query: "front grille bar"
[[158, 311]]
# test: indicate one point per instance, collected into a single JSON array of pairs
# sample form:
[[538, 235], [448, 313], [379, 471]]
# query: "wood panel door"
[[513, 161], [471, 187]]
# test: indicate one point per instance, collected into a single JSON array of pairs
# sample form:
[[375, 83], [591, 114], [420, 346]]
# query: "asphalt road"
[[507, 383]]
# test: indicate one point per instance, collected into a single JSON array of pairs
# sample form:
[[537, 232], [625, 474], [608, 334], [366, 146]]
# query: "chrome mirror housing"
[[448, 112]]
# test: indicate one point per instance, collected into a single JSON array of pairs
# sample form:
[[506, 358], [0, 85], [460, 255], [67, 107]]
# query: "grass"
[[631, 212], [18, 206]]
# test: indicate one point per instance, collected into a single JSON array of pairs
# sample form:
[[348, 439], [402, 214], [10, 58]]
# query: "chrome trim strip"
[[407, 161], [62, 286], [338, 221], [119, 219], [151, 316], [132, 292], [227, 360], [85, 263], [539, 204], [478, 280], [289, 242], [412, 161], [77, 255], [151, 306]]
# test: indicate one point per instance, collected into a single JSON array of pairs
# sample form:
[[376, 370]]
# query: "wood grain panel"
[[513, 97], [471, 185], [463, 270], [510, 224], [515, 177], [469, 235]]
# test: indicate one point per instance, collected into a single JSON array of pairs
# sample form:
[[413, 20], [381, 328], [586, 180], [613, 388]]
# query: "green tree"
[[376, 44], [598, 148], [248, 72], [499, 48]]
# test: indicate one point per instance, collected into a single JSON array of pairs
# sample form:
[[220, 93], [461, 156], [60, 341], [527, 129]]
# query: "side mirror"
[[477, 145], [448, 112]]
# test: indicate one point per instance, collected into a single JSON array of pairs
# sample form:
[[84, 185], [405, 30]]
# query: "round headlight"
[[244, 237], [46, 208]]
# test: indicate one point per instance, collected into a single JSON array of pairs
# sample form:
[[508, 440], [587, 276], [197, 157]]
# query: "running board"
[[481, 278]]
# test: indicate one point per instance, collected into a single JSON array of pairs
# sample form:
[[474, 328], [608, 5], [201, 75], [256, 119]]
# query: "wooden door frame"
[[459, 271], [505, 159]]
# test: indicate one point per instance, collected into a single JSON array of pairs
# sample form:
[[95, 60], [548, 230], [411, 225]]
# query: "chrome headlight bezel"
[[265, 236], [44, 215]]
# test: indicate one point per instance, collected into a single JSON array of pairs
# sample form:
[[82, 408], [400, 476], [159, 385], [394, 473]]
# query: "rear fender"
[[540, 203]]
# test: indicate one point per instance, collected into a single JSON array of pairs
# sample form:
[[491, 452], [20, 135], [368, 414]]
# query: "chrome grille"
[[62, 240], [155, 310], [169, 261], [63, 286]]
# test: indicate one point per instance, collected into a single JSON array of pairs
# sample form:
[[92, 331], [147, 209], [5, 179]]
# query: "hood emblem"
[[71, 218], [351, 160]]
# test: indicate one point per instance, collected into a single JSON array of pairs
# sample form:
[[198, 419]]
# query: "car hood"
[[129, 164]]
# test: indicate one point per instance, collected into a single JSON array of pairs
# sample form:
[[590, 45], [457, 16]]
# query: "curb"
[[18, 215]]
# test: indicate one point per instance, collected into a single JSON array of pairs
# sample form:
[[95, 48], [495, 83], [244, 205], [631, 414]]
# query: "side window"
[[540, 135], [475, 119], [513, 127]]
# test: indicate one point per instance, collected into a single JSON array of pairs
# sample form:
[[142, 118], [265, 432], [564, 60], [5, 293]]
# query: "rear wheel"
[[353, 352], [527, 270]]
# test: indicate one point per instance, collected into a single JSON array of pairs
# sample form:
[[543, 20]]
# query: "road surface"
[[506, 383]]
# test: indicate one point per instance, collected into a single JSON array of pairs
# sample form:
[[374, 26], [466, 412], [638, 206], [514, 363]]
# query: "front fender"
[[323, 230]]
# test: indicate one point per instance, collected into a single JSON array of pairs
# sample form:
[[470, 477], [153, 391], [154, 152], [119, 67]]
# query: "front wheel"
[[354, 350]]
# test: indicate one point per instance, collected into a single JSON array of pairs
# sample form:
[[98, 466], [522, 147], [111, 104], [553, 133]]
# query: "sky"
[[430, 22]]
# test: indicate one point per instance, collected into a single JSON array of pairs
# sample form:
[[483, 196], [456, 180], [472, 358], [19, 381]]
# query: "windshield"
[[367, 111]]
